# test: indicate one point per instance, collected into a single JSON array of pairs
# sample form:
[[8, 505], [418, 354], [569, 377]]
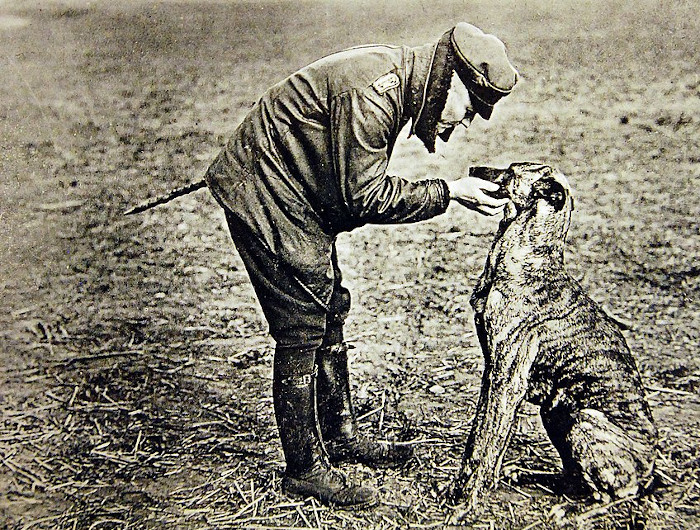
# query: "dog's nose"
[[492, 174], [485, 172]]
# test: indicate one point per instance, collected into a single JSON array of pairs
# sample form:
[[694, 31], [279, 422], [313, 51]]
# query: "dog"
[[545, 341]]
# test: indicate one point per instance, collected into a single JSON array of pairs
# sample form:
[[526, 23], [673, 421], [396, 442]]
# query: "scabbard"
[[162, 199]]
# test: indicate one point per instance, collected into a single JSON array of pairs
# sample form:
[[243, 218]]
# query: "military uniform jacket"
[[309, 160]]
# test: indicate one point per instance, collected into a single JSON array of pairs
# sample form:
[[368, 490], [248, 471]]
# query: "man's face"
[[458, 109]]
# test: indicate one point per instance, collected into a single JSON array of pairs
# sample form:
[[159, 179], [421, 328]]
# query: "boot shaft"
[[342, 440], [308, 472], [335, 408], [294, 399]]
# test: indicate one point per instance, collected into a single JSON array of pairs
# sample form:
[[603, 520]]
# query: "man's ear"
[[550, 190]]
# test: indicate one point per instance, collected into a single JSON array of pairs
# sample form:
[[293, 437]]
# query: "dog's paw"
[[511, 472], [465, 511], [453, 494], [561, 514], [458, 517]]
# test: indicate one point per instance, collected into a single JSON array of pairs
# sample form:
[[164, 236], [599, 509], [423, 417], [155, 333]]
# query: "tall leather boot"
[[308, 473], [341, 437]]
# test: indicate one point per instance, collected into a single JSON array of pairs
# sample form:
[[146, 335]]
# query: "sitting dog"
[[546, 341]]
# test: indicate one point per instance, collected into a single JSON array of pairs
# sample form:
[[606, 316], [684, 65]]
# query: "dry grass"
[[132, 436]]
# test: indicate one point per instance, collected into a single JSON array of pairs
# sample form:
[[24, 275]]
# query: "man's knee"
[[339, 307], [297, 329]]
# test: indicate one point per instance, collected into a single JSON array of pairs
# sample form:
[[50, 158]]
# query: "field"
[[135, 369]]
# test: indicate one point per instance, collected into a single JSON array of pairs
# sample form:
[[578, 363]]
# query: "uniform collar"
[[418, 81], [428, 85]]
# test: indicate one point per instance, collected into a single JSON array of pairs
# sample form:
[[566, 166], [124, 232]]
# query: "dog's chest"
[[507, 301], [509, 317]]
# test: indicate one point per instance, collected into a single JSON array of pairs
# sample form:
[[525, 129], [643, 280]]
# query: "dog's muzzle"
[[496, 175]]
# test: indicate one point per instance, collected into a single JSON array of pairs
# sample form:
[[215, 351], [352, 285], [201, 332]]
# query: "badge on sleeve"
[[386, 83]]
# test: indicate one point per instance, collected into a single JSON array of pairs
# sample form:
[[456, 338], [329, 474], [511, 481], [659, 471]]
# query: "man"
[[309, 162]]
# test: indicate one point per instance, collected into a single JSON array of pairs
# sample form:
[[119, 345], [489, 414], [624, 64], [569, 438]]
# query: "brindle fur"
[[546, 341]]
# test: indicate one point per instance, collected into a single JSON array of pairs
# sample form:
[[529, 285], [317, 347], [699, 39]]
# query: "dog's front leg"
[[467, 468], [504, 388]]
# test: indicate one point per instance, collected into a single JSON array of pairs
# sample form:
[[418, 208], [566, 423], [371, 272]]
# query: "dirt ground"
[[135, 368]]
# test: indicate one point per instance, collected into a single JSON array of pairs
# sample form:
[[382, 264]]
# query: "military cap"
[[483, 66]]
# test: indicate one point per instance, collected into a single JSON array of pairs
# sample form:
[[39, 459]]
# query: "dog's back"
[[583, 351]]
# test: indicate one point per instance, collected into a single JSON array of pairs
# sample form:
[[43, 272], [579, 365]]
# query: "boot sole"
[[350, 507]]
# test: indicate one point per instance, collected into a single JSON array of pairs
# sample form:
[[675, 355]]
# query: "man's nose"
[[468, 118]]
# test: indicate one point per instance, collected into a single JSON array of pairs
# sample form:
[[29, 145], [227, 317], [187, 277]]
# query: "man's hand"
[[470, 192]]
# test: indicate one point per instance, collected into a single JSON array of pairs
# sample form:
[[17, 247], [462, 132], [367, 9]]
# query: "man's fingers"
[[478, 195], [488, 185], [490, 210], [494, 202]]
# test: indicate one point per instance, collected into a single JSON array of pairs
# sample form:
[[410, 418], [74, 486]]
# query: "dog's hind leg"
[[612, 462], [557, 421]]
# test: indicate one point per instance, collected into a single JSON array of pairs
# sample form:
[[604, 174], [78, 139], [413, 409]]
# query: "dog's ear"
[[550, 190]]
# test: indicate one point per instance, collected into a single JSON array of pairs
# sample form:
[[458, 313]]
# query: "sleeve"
[[362, 124]]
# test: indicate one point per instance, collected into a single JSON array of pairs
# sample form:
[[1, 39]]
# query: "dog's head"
[[526, 182], [538, 189]]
